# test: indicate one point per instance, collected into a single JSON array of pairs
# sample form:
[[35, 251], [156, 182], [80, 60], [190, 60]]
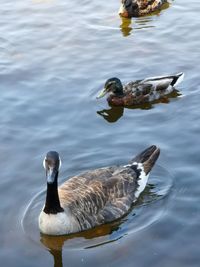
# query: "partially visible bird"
[[136, 8], [95, 197], [140, 91]]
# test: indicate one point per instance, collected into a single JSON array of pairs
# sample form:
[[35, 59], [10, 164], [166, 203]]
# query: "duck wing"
[[163, 82], [151, 89], [106, 194], [147, 6]]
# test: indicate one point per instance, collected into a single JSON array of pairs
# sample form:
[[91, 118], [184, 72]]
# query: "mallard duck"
[[136, 8], [140, 91], [95, 197]]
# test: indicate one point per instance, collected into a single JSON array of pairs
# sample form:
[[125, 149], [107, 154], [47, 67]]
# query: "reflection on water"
[[129, 25], [55, 244], [97, 236], [111, 115], [126, 26], [57, 257], [115, 113]]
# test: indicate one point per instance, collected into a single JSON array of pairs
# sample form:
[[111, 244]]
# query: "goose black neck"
[[52, 204]]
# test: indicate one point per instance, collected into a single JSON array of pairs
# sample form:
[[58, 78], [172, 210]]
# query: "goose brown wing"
[[121, 191], [99, 196]]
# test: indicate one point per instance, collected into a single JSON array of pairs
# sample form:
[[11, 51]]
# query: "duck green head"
[[112, 86]]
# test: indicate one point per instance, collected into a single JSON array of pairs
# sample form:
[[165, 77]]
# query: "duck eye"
[[109, 85]]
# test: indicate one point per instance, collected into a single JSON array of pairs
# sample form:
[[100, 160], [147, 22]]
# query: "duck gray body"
[[98, 196]]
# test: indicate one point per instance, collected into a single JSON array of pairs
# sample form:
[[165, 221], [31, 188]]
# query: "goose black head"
[[112, 86], [128, 8], [52, 163]]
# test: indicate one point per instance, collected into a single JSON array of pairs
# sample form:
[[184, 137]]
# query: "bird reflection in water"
[[126, 27], [98, 236], [113, 114]]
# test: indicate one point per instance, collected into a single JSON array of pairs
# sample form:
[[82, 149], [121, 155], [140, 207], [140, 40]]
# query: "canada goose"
[[95, 197], [140, 91]]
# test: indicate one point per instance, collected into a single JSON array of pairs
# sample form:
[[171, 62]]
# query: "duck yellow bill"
[[102, 93]]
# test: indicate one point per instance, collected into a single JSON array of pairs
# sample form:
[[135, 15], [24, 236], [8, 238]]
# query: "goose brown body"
[[137, 8], [99, 196]]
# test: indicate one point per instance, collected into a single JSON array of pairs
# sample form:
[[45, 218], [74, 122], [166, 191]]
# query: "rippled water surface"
[[54, 58]]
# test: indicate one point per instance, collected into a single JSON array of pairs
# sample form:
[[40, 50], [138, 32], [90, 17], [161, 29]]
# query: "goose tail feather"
[[148, 157]]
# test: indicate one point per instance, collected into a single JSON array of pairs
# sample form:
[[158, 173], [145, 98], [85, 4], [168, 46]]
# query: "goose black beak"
[[51, 175]]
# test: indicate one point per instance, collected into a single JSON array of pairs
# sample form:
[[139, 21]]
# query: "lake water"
[[54, 58]]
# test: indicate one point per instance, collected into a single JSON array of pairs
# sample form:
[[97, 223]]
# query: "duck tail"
[[147, 158], [178, 78]]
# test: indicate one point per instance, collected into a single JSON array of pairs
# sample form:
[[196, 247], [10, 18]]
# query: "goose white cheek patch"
[[44, 165], [142, 179], [60, 163]]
